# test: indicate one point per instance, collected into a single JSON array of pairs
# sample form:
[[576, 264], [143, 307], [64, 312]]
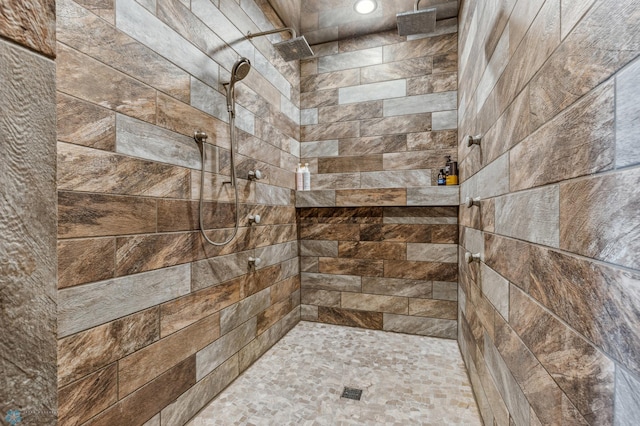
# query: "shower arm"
[[277, 30]]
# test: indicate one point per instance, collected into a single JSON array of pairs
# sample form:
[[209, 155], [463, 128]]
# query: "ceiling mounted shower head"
[[293, 49], [290, 50], [417, 21]]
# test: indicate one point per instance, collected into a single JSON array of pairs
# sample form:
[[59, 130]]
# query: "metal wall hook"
[[255, 174], [255, 261], [470, 202], [469, 257], [474, 140], [254, 219]]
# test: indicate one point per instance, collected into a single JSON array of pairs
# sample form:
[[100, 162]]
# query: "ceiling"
[[322, 21]]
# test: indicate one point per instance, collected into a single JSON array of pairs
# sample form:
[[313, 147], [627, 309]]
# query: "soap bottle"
[[299, 178], [306, 178], [441, 178], [452, 171]]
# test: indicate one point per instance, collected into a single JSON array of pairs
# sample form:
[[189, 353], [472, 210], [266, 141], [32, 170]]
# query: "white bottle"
[[306, 173], [299, 178]]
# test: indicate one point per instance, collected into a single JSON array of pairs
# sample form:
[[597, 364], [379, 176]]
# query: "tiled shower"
[[114, 311]]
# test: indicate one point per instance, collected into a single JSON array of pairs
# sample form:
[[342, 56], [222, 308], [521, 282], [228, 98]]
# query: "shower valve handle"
[[255, 174], [255, 261], [254, 219], [469, 257], [200, 136], [470, 202]]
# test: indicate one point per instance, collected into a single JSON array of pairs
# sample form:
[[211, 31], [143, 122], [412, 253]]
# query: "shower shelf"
[[419, 196]]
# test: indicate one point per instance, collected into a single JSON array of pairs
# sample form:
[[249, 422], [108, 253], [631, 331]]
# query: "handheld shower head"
[[240, 69]]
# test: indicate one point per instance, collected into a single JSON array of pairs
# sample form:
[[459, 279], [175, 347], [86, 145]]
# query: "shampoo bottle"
[[306, 181], [299, 178]]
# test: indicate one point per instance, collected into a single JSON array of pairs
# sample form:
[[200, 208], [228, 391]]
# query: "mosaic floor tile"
[[405, 380]]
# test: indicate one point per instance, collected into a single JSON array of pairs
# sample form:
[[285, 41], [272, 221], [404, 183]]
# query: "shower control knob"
[[255, 261], [254, 218], [200, 136], [475, 257], [255, 174], [474, 140], [470, 202]]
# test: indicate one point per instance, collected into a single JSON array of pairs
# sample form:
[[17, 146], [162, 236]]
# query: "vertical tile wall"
[[152, 321], [379, 111], [27, 213], [386, 268], [549, 322]]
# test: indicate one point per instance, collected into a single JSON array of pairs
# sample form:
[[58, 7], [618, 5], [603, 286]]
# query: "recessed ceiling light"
[[365, 6]]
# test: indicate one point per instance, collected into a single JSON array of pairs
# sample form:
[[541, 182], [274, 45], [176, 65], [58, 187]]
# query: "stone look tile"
[[396, 179], [627, 405], [86, 260], [434, 196], [350, 112], [151, 398], [85, 78], [144, 365], [212, 356], [90, 170], [310, 296], [423, 326], [322, 198], [84, 123], [109, 342], [496, 289], [396, 125], [605, 288], [319, 248], [585, 374], [371, 197], [595, 217], [110, 215], [396, 70], [432, 252], [355, 59], [376, 303], [87, 397], [420, 104], [372, 91], [532, 216], [352, 318], [240, 312], [433, 308], [397, 287], [83, 307], [208, 272], [626, 116], [190, 402], [371, 250], [340, 266], [331, 282], [534, 162]]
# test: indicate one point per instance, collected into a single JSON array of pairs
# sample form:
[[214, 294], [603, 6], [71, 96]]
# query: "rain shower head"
[[417, 21], [293, 49], [290, 50]]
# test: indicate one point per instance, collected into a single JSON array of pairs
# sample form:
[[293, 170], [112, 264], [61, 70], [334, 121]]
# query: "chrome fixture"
[[239, 71], [254, 219], [365, 7], [290, 50], [417, 21], [475, 257], [254, 261], [474, 140], [470, 202], [255, 174]]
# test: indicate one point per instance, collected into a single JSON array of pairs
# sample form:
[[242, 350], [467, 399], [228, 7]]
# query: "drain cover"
[[351, 393]]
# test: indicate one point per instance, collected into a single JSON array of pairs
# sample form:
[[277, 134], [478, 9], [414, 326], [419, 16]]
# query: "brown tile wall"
[[28, 213], [152, 321], [379, 111], [385, 268], [549, 319]]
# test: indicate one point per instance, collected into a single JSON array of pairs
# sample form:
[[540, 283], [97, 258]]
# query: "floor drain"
[[351, 393]]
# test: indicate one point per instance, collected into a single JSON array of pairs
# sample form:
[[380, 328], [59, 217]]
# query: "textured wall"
[[27, 213], [153, 322], [391, 268], [550, 319], [379, 111]]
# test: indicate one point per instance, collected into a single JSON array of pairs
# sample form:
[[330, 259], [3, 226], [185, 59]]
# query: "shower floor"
[[405, 380]]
